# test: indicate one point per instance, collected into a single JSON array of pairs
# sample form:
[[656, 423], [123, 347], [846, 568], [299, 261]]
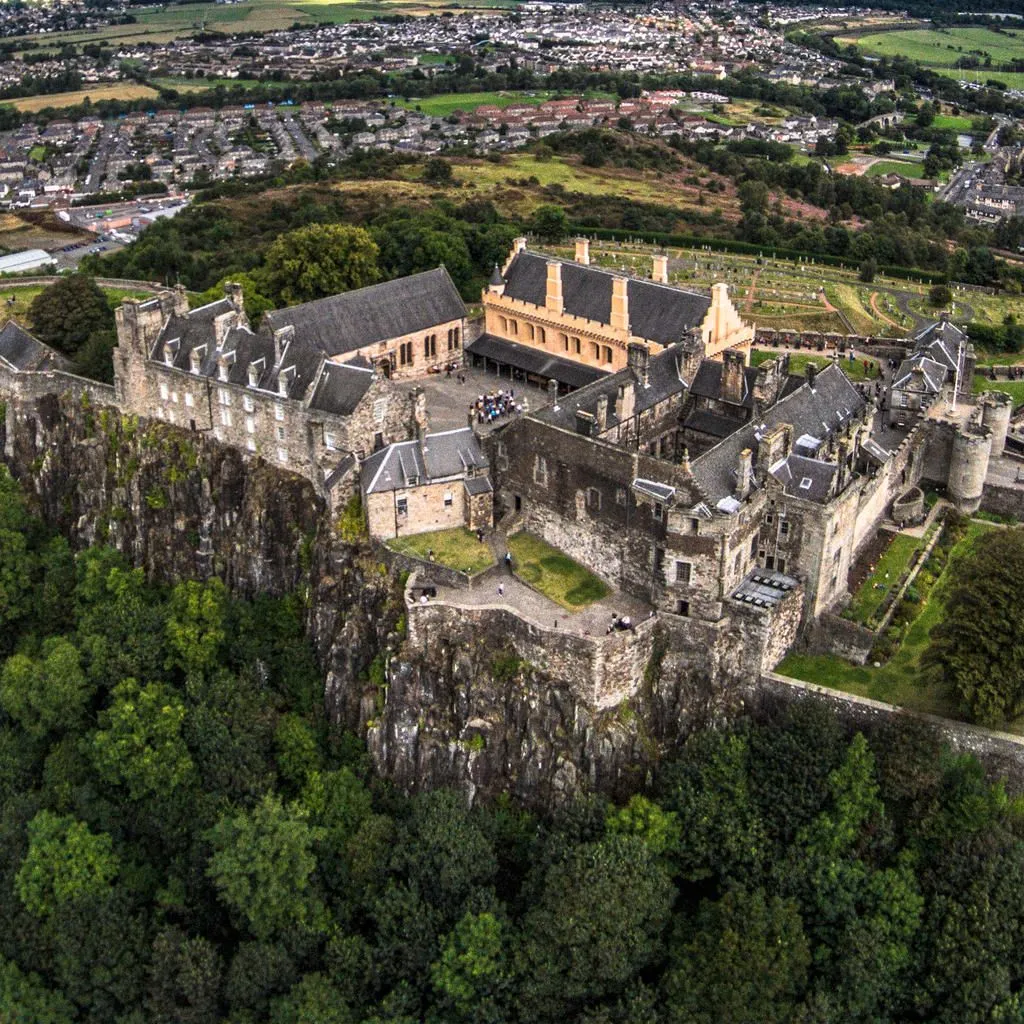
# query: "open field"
[[900, 680], [939, 48], [458, 549], [95, 93], [904, 167], [554, 574], [447, 103], [17, 234], [201, 84]]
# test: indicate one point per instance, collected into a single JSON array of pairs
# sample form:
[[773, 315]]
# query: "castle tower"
[[139, 323], [996, 410], [968, 466]]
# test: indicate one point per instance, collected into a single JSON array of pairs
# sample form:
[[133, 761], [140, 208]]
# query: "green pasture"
[[904, 167], [944, 47]]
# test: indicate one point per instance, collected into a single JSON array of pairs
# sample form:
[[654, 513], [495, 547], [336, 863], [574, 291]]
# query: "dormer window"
[[255, 371], [284, 379], [195, 358]]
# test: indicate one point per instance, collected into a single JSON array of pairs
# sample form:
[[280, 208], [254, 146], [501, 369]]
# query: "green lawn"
[[798, 363], [555, 575], [447, 103], [939, 48], [904, 167], [891, 566], [458, 549], [900, 680], [1014, 388]]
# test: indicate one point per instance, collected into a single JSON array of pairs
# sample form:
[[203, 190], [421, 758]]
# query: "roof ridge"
[[610, 273]]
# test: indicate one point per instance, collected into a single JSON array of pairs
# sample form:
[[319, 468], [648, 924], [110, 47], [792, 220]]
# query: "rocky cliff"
[[461, 710]]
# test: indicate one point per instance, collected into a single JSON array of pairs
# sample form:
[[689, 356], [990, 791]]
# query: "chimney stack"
[[583, 251], [620, 304], [692, 354], [584, 423], [625, 402], [553, 390], [638, 360], [553, 296], [733, 377], [659, 271], [601, 415], [180, 300], [518, 245], [744, 474], [811, 371]]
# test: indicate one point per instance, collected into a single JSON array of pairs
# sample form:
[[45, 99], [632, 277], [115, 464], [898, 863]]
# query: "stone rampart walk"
[[536, 608]]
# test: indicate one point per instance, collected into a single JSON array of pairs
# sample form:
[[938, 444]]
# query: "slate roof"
[[711, 423], [21, 351], [444, 456], [707, 383], [657, 312], [536, 361], [933, 374], [819, 411], [940, 341], [340, 388], [806, 478], [343, 323], [663, 381]]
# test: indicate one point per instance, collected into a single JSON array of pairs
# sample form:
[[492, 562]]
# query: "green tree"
[[597, 923], [979, 645], [196, 625], [473, 974], [550, 223], [745, 958], [185, 977], [49, 693], [65, 863], [262, 865], [939, 295], [17, 562], [320, 260], [68, 311], [437, 171], [643, 818], [95, 357], [868, 270], [26, 997], [139, 743], [316, 999]]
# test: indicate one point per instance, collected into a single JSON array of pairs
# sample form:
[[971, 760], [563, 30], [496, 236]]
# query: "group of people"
[[495, 405]]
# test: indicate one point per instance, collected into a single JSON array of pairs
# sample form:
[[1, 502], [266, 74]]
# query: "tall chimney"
[[583, 251], [638, 360], [601, 414], [659, 271], [620, 304], [625, 402], [553, 296], [180, 300], [518, 245], [733, 382], [744, 473]]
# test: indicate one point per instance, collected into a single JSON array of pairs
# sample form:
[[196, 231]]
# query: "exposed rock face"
[[461, 710]]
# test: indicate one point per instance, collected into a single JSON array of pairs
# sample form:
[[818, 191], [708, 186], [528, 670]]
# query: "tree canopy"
[[67, 312]]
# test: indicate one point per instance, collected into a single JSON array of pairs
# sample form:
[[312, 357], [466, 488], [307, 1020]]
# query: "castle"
[[730, 499]]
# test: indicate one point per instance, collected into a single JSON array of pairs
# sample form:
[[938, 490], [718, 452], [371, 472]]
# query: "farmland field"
[[104, 91], [907, 169], [941, 49]]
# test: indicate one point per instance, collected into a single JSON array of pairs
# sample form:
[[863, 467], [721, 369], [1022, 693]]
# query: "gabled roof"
[[933, 375], [21, 351], [941, 341], [448, 455], [819, 411], [343, 323], [657, 312]]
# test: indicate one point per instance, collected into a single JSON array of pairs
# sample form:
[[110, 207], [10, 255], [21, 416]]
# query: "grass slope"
[[555, 575], [457, 548]]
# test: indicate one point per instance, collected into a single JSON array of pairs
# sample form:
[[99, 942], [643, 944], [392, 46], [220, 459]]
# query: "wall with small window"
[[423, 509]]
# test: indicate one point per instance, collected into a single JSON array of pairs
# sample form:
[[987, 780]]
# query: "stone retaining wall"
[[1002, 752]]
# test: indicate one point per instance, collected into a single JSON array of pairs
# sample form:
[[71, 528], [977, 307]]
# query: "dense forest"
[[186, 839]]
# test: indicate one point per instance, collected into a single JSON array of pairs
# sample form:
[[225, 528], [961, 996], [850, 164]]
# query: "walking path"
[[880, 314]]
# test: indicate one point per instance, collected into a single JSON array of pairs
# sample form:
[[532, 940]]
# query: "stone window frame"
[[248, 404], [189, 400], [607, 351], [449, 499], [250, 425], [380, 410], [683, 571], [620, 496], [540, 470], [783, 527], [282, 455], [280, 433], [165, 393], [659, 511], [593, 499], [402, 506], [279, 413]]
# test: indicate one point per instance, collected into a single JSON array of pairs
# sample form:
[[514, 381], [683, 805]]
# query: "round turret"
[[996, 410], [968, 467]]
